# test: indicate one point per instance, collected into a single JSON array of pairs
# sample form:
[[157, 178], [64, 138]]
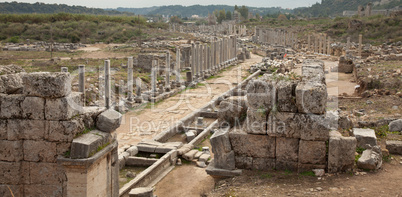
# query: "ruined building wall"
[[39, 119]]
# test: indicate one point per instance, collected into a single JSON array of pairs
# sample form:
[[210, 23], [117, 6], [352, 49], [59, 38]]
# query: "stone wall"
[[39, 120], [286, 126]]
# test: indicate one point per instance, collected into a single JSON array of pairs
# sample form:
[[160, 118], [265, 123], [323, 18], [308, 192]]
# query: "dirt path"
[[149, 122]]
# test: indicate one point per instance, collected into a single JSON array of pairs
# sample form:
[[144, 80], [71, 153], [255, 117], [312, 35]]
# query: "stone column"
[[316, 44], [348, 44], [64, 69], [360, 45], [197, 61], [308, 42], [130, 79], [167, 72], [108, 88], [154, 78], [329, 46], [201, 61], [193, 59], [138, 99], [324, 43], [208, 48], [81, 79], [178, 66]]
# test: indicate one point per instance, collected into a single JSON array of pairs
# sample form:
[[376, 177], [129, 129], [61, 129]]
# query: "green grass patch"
[[307, 173]]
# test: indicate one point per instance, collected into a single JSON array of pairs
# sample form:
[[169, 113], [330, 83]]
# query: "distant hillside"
[[42, 8], [188, 11], [335, 7]]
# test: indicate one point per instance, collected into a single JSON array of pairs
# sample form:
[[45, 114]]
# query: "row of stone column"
[[319, 43], [206, 59], [275, 37]]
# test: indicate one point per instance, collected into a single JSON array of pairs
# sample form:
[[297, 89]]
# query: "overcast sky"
[[150, 3]]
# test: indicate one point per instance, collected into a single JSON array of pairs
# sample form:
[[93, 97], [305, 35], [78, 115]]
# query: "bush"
[[14, 39]]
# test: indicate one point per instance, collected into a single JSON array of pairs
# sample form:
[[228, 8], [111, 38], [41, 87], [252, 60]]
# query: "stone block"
[[86, 145], [230, 114], [11, 151], [14, 173], [109, 120], [250, 145], [64, 108], [47, 85], [287, 149], [63, 147], [364, 137], [64, 131], [43, 190], [11, 106], [394, 147], [395, 125], [168, 146], [286, 96], [190, 155], [11, 83], [39, 151], [286, 165], [141, 192], [3, 130], [204, 158], [140, 161], [146, 148], [18, 190], [190, 135], [261, 95], [282, 124], [33, 108], [341, 152], [133, 150], [264, 164], [244, 162], [221, 173], [256, 121], [46, 173], [345, 65], [312, 127], [313, 71], [311, 97], [312, 152], [371, 159], [26, 129]]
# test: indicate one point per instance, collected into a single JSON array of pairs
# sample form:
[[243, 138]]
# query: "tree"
[[228, 15], [175, 19], [282, 17], [244, 12], [221, 16], [258, 17]]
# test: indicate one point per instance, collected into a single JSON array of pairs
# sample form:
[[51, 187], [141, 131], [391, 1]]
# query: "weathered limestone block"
[[256, 121], [341, 152], [311, 97], [244, 162], [39, 151], [140, 161], [14, 173], [371, 159], [47, 85], [133, 150], [261, 95], [18, 190], [313, 71], [287, 149], [394, 147], [3, 129], [33, 108], [63, 147], [264, 164], [345, 65], [87, 145], [11, 106], [250, 145], [365, 137], [11, 83], [109, 120], [64, 108], [230, 113], [167, 147], [190, 155], [26, 129], [309, 167], [282, 124], [286, 165], [64, 131], [395, 125], [141, 192], [286, 96], [11, 150], [224, 156], [238, 100], [313, 127], [43, 190], [312, 152], [46, 173]]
